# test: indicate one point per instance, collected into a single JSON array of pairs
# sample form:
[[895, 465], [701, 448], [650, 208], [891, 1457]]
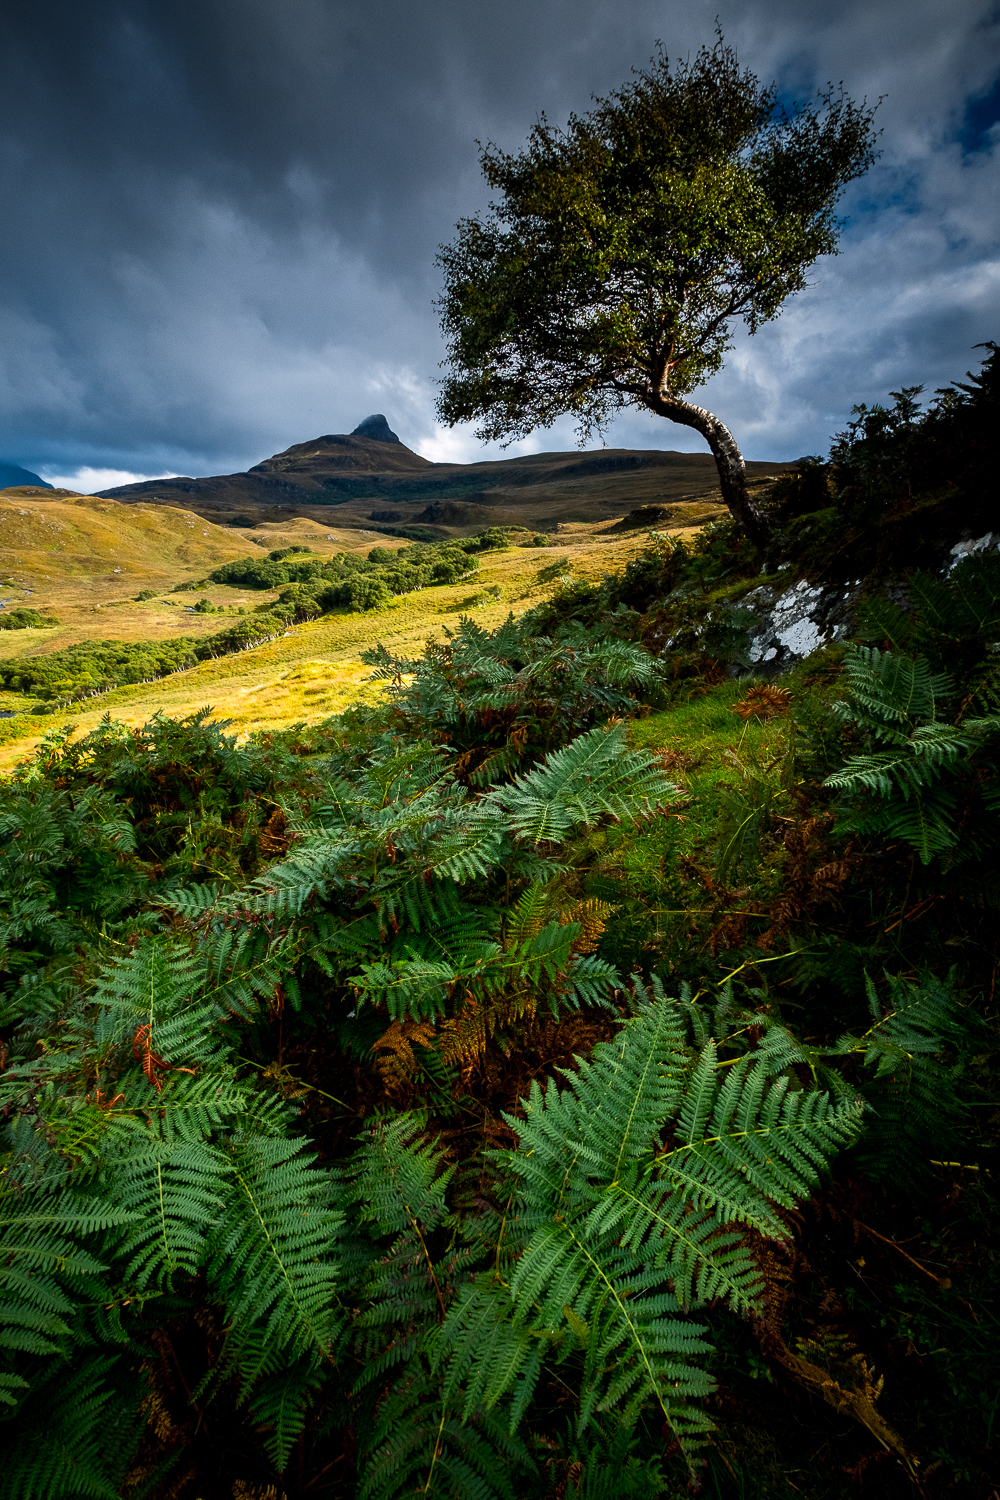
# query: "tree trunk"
[[728, 461]]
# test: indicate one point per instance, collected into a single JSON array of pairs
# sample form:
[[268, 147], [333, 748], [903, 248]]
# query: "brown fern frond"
[[728, 934], [399, 1061], [809, 880], [675, 760], [764, 702], [272, 839], [593, 916], [152, 1065], [464, 1037]]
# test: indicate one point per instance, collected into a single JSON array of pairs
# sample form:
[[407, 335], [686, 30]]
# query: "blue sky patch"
[[980, 115]]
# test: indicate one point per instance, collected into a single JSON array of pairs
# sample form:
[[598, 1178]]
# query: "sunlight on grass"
[[312, 671]]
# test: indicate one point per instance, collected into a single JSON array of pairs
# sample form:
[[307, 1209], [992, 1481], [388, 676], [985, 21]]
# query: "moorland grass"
[[314, 669]]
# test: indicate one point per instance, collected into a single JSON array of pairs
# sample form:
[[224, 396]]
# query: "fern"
[[421, 1447], [40, 1259], [593, 778], [913, 1096], [616, 1235], [183, 1183], [399, 1183], [73, 1439], [894, 702], [272, 1262]]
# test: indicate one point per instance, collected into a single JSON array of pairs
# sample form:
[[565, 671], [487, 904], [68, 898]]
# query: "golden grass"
[[84, 559], [313, 671]]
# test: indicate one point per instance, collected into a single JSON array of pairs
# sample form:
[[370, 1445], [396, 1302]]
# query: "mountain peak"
[[376, 428], [12, 475]]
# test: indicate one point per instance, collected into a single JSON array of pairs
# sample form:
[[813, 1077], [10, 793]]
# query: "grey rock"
[[988, 543], [792, 623]]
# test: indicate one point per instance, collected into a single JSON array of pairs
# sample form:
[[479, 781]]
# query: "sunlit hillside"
[[84, 560]]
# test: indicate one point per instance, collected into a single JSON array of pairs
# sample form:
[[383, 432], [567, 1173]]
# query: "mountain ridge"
[[354, 470]]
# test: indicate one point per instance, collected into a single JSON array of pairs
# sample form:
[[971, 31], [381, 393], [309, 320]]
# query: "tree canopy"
[[623, 248]]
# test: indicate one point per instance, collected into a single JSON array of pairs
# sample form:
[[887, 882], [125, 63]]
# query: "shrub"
[[25, 619], [369, 593]]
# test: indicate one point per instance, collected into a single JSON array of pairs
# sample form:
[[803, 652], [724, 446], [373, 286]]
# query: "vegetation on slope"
[[317, 587], [24, 619], [577, 1072]]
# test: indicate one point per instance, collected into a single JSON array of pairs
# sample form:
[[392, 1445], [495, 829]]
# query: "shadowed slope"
[[360, 471]]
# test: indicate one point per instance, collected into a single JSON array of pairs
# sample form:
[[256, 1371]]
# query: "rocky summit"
[[376, 428]]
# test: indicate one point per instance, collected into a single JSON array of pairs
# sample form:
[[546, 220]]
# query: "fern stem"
[[942, 1281], [437, 1450], [752, 963]]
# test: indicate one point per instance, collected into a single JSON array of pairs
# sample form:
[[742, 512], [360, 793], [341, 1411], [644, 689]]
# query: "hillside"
[[380, 480], [83, 560], [86, 561], [574, 1067]]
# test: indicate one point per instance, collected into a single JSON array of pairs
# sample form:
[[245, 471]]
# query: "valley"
[[84, 560]]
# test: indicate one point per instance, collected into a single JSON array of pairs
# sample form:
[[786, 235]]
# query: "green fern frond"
[[397, 1178], [913, 1096], [41, 1229], [154, 985], [596, 776], [243, 969], [615, 1235], [894, 701], [174, 1192], [272, 1254], [421, 1447], [889, 688], [73, 1437]]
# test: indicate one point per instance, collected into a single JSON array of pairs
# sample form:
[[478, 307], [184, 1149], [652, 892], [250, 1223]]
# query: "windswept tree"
[[622, 249]]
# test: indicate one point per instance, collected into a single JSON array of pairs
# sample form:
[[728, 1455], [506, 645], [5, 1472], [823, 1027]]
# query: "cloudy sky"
[[220, 216]]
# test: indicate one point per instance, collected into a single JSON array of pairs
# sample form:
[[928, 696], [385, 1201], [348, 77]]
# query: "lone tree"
[[610, 271]]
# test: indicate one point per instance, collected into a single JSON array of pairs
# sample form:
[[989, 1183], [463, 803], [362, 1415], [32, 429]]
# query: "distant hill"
[[13, 474], [375, 477]]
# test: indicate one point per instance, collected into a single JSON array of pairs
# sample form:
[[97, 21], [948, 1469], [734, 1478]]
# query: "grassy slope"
[[84, 559], [66, 550]]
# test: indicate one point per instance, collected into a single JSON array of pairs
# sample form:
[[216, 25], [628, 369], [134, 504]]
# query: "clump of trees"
[[25, 619]]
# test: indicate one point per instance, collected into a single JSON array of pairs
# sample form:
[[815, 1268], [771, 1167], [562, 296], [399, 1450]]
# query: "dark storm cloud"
[[221, 215]]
